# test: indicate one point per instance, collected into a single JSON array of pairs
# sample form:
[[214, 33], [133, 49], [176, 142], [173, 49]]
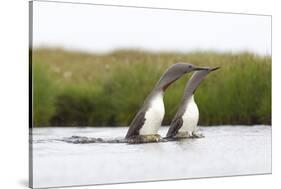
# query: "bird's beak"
[[213, 69], [200, 68]]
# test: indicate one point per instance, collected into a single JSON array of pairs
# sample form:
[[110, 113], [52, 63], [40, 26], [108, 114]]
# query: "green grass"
[[82, 89], [43, 95]]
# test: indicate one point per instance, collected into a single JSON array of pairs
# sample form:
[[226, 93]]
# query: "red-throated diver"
[[185, 121], [148, 119]]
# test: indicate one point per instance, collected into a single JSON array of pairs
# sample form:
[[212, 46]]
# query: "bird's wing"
[[136, 124], [176, 124]]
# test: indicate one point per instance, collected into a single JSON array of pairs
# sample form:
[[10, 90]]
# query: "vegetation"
[[83, 89]]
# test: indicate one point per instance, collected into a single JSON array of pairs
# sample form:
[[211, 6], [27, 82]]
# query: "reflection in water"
[[225, 150]]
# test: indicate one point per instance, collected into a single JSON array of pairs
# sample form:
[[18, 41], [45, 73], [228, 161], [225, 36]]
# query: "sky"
[[97, 28]]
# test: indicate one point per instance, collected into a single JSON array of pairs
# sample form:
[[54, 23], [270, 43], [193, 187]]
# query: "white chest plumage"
[[190, 117], [153, 116]]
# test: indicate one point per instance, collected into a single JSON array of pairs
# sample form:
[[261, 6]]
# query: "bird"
[[148, 119], [185, 121]]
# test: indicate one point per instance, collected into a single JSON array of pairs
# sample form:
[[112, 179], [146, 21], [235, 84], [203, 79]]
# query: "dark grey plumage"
[[175, 125], [136, 124]]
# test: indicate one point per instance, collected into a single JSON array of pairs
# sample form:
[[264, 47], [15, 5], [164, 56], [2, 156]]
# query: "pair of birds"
[[145, 125]]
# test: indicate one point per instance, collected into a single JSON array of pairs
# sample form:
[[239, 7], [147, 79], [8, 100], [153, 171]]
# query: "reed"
[[83, 89]]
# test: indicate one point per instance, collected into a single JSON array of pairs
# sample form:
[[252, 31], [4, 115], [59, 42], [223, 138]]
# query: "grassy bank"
[[75, 88]]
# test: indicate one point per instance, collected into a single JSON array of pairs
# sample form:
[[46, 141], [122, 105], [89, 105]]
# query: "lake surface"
[[225, 151]]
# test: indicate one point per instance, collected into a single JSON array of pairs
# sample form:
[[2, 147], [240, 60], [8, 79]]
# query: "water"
[[225, 151]]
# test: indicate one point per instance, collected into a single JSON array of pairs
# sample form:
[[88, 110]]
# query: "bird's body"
[[185, 121], [147, 121], [190, 117], [153, 116]]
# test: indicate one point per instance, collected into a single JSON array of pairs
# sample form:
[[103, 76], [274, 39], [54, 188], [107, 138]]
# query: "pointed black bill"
[[200, 68], [213, 69]]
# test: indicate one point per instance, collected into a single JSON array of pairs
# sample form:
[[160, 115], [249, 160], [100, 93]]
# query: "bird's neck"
[[155, 94], [189, 99], [165, 81]]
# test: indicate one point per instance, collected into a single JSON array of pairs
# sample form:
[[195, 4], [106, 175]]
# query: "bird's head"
[[196, 79], [175, 71]]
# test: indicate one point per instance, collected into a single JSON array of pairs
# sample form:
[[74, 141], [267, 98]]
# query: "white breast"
[[154, 116], [190, 117]]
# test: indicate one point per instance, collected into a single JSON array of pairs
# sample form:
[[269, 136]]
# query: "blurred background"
[[94, 65]]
